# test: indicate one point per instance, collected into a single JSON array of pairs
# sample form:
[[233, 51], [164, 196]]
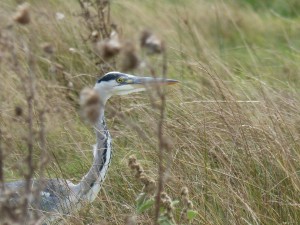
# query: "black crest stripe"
[[108, 77]]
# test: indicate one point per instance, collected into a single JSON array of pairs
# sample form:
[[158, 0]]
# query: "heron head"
[[116, 83]]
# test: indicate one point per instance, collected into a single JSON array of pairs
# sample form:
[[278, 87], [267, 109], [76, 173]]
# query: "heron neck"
[[90, 184]]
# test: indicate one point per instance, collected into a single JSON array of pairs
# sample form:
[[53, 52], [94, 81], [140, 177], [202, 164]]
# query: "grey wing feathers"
[[55, 195]]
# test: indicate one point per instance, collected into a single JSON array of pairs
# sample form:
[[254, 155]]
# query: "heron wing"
[[55, 194]]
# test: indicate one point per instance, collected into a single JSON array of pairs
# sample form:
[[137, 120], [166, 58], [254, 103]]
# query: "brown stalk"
[[30, 138], [43, 156], [161, 143], [103, 25], [1, 164]]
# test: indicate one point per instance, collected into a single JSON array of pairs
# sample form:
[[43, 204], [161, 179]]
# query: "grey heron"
[[62, 196]]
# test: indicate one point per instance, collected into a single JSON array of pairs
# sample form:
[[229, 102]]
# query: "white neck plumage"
[[90, 185]]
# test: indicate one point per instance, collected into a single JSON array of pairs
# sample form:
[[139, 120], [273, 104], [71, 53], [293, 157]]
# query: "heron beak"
[[150, 81], [132, 84]]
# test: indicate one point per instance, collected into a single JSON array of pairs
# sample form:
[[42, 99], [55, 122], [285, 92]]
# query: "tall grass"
[[233, 121]]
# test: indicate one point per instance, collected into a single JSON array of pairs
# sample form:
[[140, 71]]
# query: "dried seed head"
[[187, 204], [70, 85], [184, 191], [67, 76], [131, 220], [92, 114], [90, 103], [167, 204], [130, 59], [136, 166], [170, 217], [72, 50], [95, 36], [48, 48], [131, 161], [164, 195], [150, 187], [149, 184], [56, 68], [103, 3], [114, 26], [22, 15], [190, 204], [139, 170], [89, 97], [151, 42], [132, 165], [84, 95], [144, 179], [167, 143], [144, 36], [18, 111], [185, 196], [59, 16], [109, 48]]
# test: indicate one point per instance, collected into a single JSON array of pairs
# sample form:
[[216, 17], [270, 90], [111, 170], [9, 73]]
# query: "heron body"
[[59, 196]]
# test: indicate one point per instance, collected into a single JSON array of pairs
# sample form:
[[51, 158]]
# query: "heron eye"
[[120, 79]]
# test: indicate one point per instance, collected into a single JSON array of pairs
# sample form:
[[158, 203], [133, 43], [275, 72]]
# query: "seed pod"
[[131, 220], [109, 48], [184, 191], [47, 48], [22, 15], [151, 43], [95, 36], [90, 103], [18, 111], [130, 59]]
